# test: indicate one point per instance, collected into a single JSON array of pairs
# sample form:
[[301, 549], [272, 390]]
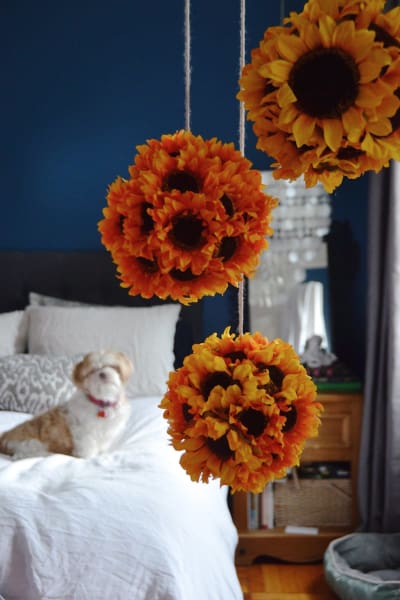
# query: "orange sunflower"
[[240, 408], [322, 91], [191, 219]]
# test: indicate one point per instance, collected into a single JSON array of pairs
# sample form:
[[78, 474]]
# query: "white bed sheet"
[[127, 525]]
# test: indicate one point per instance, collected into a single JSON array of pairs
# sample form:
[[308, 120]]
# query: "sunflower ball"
[[322, 91], [191, 219], [240, 409]]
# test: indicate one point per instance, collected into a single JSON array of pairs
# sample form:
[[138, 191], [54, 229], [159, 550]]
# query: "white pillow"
[[145, 334], [36, 299], [13, 332], [32, 383]]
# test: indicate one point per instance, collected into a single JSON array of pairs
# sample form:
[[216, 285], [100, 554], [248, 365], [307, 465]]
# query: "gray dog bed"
[[364, 566]]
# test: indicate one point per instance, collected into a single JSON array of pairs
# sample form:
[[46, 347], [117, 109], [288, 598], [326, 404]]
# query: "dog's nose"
[[102, 375]]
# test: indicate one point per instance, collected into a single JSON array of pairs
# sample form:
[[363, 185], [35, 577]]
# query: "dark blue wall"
[[84, 82], [347, 286]]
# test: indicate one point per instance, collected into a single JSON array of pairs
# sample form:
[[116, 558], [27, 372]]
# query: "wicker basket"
[[313, 503]]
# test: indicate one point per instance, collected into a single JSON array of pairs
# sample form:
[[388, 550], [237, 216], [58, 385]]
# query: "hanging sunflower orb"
[[240, 408], [191, 219], [322, 91]]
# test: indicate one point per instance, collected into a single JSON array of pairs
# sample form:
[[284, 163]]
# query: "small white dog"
[[86, 424]]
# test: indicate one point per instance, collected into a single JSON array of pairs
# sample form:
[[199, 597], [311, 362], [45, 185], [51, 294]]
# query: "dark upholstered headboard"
[[85, 276]]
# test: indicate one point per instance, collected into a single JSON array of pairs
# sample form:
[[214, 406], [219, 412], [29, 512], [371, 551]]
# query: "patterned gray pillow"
[[33, 383]]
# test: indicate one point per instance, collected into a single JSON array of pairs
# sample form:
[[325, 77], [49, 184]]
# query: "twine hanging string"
[[242, 119], [188, 66], [282, 10], [188, 72], [242, 141]]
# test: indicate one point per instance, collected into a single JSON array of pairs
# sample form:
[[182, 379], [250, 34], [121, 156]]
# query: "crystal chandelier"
[[300, 223]]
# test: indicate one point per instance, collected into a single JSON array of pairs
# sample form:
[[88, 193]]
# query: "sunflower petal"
[[285, 95], [358, 44], [367, 97], [311, 36], [381, 127], [326, 29], [371, 69], [343, 33], [290, 47], [288, 114], [303, 129], [389, 106], [277, 70], [333, 133], [369, 147], [353, 123]]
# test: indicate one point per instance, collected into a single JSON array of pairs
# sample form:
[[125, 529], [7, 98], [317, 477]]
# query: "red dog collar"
[[102, 404]]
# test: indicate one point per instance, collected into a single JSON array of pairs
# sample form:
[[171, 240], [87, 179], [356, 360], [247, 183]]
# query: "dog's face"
[[102, 374]]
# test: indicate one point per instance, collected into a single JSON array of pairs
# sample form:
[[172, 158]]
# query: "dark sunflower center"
[[270, 388], [325, 82], [147, 221], [275, 375], [395, 120], [121, 222], [254, 420], [236, 355], [214, 379], [326, 168], [187, 415], [269, 88], [220, 447], [291, 419], [181, 181], [183, 275], [227, 248], [349, 153], [381, 35], [228, 205], [147, 265], [187, 232]]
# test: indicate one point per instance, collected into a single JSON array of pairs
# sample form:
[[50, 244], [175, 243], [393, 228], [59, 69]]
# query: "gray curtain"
[[379, 476]]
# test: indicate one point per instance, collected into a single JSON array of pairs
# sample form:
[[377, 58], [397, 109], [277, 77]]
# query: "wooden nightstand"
[[338, 440]]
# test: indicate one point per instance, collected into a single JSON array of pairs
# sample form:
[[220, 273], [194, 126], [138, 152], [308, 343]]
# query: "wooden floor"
[[284, 582]]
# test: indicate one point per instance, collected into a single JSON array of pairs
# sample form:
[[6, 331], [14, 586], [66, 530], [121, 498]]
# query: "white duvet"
[[127, 525]]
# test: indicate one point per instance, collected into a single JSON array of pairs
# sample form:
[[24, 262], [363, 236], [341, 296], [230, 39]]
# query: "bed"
[[126, 524]]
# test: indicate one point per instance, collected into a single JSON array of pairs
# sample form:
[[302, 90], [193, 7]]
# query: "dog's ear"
[[125, 365], [78, 372]]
